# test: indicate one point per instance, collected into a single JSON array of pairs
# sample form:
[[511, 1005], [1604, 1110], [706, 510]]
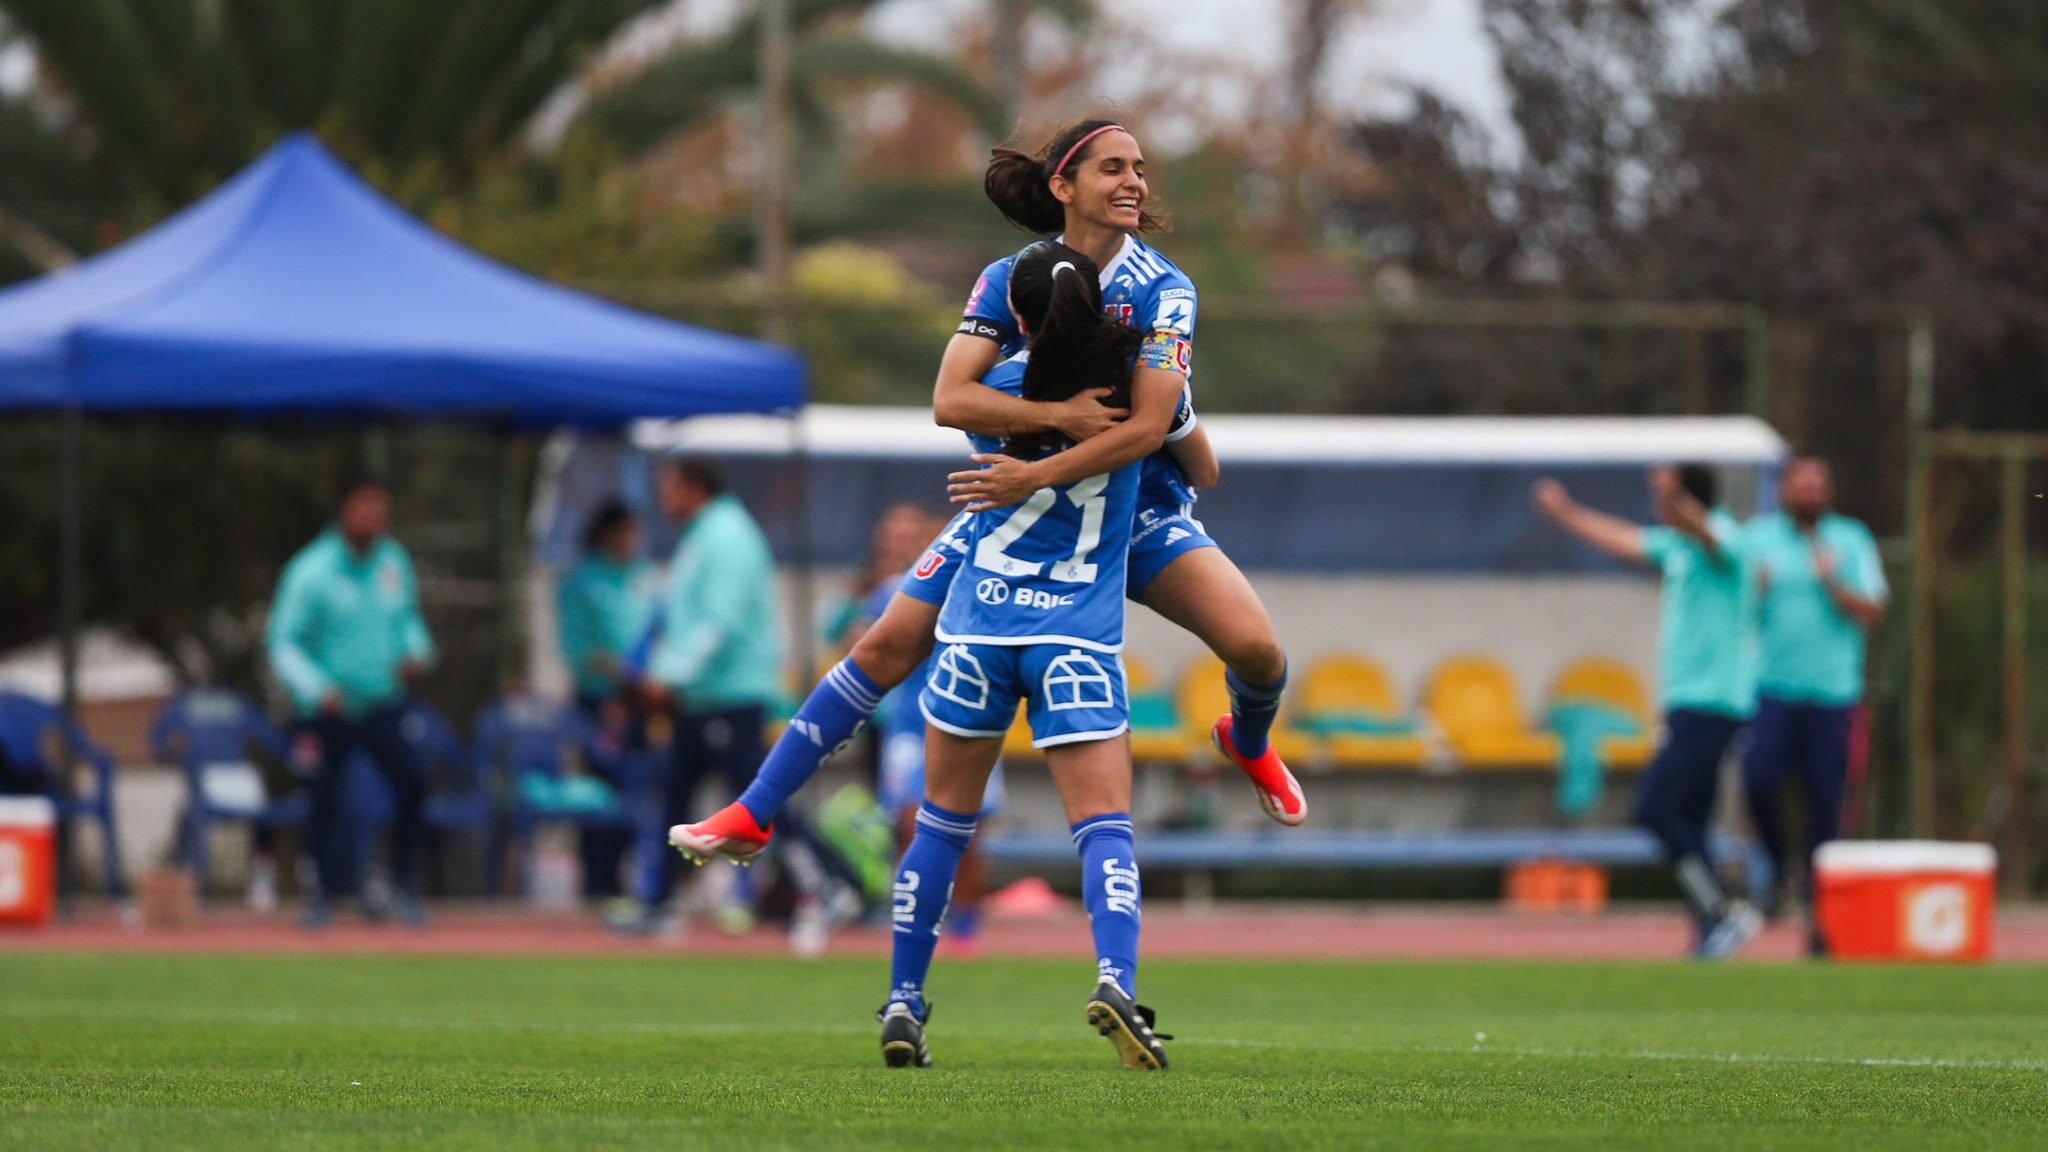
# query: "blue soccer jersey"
[[1049, 570], [1036, 611], [1144, 290]]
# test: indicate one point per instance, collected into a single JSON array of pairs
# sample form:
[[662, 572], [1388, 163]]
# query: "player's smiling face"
[[1105, 186]]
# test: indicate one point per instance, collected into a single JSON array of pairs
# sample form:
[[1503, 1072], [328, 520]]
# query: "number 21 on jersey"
[[991, 553]]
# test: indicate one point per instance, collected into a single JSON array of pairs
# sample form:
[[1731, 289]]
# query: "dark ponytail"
[[1020, 185], [1074, 347]]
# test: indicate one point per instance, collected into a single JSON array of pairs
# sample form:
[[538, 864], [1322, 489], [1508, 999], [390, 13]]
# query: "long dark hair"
[[1056, 291], [1020, 184]]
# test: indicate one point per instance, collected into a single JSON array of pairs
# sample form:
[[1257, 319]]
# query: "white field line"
[[287, 1019]]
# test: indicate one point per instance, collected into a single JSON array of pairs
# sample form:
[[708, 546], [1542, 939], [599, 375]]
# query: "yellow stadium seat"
[[1615, 685], [1152, 742], [1474, 702], [1339, 687], [1203, 696], [1017, 741]]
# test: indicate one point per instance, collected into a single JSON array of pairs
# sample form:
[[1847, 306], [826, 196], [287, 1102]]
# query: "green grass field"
[[112, 1052]]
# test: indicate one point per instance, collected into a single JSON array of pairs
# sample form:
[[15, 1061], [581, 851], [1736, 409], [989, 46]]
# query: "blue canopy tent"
[[295, 290]]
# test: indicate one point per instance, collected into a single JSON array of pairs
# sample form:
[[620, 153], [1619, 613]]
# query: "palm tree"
[[143, 105], [702, 78], [158, 100]]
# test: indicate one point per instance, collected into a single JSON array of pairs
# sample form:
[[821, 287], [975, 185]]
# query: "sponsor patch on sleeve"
[[1167, 352], [976, 326], [1176, 313]]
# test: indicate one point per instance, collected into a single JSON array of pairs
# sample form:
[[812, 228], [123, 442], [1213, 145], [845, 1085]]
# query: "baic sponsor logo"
[[992, 591], [1033, 598]]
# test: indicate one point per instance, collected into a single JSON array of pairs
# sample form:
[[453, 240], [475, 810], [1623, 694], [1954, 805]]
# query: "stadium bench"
[[1618, 847]]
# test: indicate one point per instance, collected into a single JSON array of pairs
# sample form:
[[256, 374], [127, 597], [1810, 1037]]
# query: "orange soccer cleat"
[[730, 832], [1279, 793]]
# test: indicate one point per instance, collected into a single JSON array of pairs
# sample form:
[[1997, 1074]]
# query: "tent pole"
[[70, 546], [806, 556]]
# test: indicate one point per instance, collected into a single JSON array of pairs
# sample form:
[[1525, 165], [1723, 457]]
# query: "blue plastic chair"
[[210, 733], [30, 728], [531, 741], [461, 792]]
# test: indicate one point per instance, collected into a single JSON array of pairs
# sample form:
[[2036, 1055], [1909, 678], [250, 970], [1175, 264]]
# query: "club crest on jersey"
[[928, 565], [1121, 313]]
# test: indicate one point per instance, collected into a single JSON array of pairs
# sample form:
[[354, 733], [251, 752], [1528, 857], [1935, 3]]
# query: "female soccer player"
[[1035, 615], [1088, 184]]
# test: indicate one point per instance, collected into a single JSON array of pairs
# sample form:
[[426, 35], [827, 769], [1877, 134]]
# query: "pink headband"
[[1083, 143]]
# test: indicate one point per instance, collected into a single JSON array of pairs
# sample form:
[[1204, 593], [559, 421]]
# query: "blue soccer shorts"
[[1070, 695], [1161, 534]]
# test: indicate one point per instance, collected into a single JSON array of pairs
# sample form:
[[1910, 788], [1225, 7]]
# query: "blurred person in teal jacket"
[[346, 637], [716, 666], [603, 606], [1823, 593]]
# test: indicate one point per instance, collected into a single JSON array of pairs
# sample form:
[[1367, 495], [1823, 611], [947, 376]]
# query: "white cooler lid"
[[27, 812], [1895, 857]]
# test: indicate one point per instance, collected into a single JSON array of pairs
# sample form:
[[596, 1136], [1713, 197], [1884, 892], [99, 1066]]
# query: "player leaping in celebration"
[[1035, 614], [1088, 185]]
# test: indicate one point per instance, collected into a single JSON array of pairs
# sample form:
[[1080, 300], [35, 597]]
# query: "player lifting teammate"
[[1088, 185], [1035, 614]]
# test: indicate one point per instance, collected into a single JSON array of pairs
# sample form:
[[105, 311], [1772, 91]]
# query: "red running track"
[[1295, 931]]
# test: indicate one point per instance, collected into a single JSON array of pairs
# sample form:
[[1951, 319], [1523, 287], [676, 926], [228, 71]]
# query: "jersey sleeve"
[[1170, 328], [987, 314], [1660, 543], [1863, 572], [1183, 416]]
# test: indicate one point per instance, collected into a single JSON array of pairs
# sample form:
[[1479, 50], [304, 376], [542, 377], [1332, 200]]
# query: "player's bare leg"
[[1205, 593], [888, 654]]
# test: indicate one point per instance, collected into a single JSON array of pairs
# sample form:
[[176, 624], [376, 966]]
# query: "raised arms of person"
[[1155, 396], [959, 400], [1610, 534], [1685, 513]]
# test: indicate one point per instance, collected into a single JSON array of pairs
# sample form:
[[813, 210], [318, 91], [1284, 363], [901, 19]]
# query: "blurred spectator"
[[1823, 589], [346, 637], [1707, 681], [602, 610], [717, 666]]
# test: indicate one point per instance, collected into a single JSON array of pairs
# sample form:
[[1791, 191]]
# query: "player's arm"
[[959, 400], [1678, 508], [1155, 396], [1610, 534], [1197, 459]]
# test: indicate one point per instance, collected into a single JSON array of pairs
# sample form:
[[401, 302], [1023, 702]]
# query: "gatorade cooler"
[[1907, 900], [28, 860]]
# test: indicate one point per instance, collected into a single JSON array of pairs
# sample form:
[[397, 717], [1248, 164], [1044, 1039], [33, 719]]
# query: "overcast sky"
[[1435, 43], [1401, 43]]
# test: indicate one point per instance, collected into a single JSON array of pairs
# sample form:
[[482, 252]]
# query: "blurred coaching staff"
[[1823, 590], [345, 637], [1706, 644]]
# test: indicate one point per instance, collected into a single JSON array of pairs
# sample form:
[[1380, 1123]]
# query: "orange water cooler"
[[28, 861], [1906, 900]]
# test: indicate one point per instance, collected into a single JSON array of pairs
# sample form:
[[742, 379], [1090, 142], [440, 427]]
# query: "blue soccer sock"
[[1252, 709], [1109, 887], [924, 884], [836, 709]]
